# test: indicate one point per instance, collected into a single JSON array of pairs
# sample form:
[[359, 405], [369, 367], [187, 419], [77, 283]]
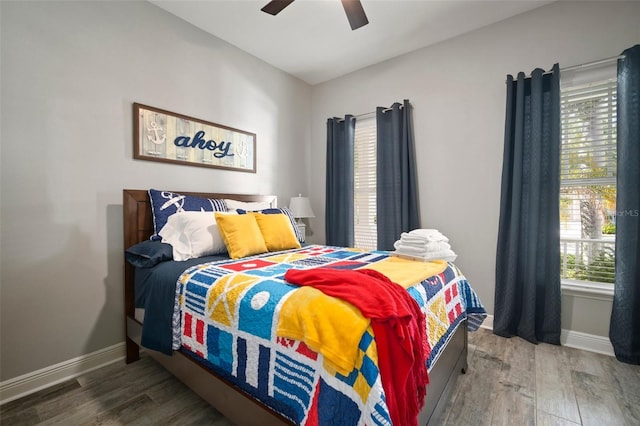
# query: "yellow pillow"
[[277, 231], [241, 235]]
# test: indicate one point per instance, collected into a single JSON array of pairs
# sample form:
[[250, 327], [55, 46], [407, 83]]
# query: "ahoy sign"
[[198, 141], [166, 136]]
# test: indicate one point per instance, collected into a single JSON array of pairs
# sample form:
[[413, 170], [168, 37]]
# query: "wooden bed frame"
[[233, 403]]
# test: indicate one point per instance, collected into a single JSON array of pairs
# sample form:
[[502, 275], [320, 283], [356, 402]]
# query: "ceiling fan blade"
[[355, 13], [274, 7]]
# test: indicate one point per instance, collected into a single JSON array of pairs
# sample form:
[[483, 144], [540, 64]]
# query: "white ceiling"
[[312, 40]]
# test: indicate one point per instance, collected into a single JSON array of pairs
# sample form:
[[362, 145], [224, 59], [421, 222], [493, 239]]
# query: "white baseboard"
[[574, 339], [32, 382], [488, 323], [587, 342]]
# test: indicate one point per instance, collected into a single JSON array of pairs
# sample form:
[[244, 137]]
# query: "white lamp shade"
[[300, 207]]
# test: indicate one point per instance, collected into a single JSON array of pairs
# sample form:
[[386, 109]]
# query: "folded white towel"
[[417, 251], [432, 235], [418, 244], [447, 255], [405, 236], [413, 240], [438, 246], [426, 232], [422, 247]]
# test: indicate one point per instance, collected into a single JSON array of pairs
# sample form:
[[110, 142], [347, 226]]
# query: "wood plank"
[[554, 389], [102, 395], [624, 380], [476, 392], [181, 407], [515, 399], [518, 366], [29, 402], [197, 414], [130, 411], [108, 384], [546, 419], [586, 362], [491, 344], [512, 406], [27, 416], [597, 401]]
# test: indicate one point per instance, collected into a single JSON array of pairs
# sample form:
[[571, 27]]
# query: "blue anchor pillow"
[[166, 203]]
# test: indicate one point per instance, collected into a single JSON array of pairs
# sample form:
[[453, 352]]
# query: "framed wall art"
[[169, 137]]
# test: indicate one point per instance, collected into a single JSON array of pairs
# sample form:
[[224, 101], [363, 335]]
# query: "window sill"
[[587, 289]]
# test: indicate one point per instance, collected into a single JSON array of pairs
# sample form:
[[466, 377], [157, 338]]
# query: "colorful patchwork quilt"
[[229, 314]]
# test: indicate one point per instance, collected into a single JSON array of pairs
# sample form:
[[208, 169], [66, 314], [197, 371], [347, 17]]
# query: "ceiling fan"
[[353, 8]]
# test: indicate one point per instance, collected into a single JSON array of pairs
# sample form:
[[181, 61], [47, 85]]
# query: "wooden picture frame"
[[169, 137]]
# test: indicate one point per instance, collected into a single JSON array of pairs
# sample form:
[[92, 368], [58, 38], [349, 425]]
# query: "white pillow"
[[248, 206], [192, 235]]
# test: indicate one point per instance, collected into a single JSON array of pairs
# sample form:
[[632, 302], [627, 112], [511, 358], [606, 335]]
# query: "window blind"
[[588, 174], [365, 226]]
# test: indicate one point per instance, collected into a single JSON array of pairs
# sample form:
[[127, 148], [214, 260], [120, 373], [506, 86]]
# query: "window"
[[588, 174], [365, 227]]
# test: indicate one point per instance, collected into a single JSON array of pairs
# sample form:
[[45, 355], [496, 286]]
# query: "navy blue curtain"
[[339, 190], [624, 330], [527, 295], [397, 179]]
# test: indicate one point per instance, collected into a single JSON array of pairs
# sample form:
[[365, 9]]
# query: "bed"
[[221, 390]]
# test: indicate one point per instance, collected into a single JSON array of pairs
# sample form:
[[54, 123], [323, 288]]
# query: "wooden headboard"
[[138, 226]]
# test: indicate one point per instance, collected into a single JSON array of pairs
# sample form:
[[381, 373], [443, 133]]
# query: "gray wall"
[[457, 89], [70, 73]]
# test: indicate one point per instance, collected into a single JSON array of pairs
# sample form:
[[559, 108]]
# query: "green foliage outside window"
[[609, 228], [600, 269]]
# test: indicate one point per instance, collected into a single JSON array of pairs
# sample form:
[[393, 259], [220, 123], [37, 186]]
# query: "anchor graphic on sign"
[[241, 150], [153, 127]]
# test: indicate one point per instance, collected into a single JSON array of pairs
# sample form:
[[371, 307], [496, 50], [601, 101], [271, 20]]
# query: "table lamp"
[[300, 208]]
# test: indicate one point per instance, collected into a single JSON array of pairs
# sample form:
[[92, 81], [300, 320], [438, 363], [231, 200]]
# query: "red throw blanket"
[[398, 325]]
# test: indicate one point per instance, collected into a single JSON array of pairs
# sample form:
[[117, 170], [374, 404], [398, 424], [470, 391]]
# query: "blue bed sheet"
[[155, 292]]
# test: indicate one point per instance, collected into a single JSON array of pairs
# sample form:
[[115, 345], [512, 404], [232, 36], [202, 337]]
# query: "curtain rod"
[[363, 115], [585, 65], [593, 63]]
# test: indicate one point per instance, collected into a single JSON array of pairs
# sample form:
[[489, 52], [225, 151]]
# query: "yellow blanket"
[[407, 272], [333, 327], [326, 324]]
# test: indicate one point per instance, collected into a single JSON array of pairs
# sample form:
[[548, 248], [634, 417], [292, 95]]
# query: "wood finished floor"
[[509, 382]]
